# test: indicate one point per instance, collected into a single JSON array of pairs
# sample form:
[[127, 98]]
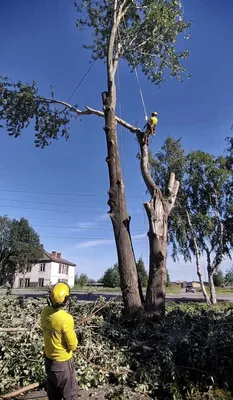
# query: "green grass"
[[219, 290], [172, 289]]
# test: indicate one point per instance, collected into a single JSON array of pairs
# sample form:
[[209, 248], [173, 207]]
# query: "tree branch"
[[91, 111], [144, 162], [173, 187]]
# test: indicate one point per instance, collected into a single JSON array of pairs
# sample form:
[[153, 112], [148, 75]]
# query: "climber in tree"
[[150, 127]]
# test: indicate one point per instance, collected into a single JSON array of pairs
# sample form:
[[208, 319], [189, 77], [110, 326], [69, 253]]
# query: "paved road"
[[92, 296]]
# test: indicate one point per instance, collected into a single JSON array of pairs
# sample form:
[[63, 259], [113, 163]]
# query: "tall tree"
[[6, 268], [26, 249], [142, 33], [111, 277], [20, 247], [142, 272], [198, 224], [218, 278]]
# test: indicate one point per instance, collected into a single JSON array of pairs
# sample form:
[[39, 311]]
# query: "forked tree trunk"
[[117, 202], [197, 258], [158, 211]]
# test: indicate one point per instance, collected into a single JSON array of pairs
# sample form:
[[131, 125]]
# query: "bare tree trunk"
[[157, 282], [158, 211], [213, 298], [210, 270], [117, 202], [197, 258]]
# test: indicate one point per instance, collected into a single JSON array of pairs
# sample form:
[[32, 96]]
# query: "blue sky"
[[62, 189]]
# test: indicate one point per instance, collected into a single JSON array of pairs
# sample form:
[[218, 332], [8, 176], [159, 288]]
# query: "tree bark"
[[117, 202], [197, 258], [213, 298], [156, 288], [210, 271], [158, 211]]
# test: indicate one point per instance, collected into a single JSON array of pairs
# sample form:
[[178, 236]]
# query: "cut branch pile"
[[191, 349]]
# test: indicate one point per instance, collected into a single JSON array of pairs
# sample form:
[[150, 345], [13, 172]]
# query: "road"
[[92, 296]]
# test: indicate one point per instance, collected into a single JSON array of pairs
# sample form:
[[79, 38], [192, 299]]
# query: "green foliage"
[[142, 273], [171, 359], [204, 182], [82, 280], [218, 278], [20, 246], [147, 34], [21, 104], [229, 276], [111, 277], [168, 279]]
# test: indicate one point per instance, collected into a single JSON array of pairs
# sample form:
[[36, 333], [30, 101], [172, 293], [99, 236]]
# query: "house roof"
[[49, 257]]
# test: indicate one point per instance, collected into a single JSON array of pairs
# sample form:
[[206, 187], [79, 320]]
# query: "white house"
[[52, 268]]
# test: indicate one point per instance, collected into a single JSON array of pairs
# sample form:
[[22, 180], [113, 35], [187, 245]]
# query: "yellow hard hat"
[[59, 294]]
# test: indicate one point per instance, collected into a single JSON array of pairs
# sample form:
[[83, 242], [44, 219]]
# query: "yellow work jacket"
[[60, 339], [153, 121]]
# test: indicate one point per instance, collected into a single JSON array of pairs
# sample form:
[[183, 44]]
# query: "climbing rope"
[[141, 93]]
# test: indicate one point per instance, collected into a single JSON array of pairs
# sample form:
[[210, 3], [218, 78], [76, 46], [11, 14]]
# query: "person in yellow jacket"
[[60, 341], [150, 127]]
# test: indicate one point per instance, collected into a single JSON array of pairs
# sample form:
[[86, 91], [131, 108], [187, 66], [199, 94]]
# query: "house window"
[[41, 282], [42, 267], [29, 268], [60, 269], [27, 282]]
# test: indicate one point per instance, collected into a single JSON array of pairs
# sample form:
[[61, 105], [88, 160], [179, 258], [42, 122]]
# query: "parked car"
[[190, 288]]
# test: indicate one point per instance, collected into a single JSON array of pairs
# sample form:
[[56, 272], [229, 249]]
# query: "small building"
[[52, 268]]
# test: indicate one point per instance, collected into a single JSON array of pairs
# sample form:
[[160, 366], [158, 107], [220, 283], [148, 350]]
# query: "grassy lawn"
[[220, 290], [172, 289]]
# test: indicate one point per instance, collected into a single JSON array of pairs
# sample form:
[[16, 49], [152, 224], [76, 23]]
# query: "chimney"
[[58, 255], [54, 253]]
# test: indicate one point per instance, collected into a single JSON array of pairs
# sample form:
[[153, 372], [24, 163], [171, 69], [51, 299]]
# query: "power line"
[[51, 204], [82, 228], [61, 219], [57, 194], [52, 210], [87, 238], [77, 238], [51, 193], [46, 209]]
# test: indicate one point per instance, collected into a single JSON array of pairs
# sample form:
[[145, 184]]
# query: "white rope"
[[141, 94]]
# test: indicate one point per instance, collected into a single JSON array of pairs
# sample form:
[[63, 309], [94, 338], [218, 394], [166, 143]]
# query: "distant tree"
[[168, 279], [82, 280], [6, 270], [20, 248], [228, 279], [26, 249], [111, 277], [198, 224], [142, 273], [218, 278]]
